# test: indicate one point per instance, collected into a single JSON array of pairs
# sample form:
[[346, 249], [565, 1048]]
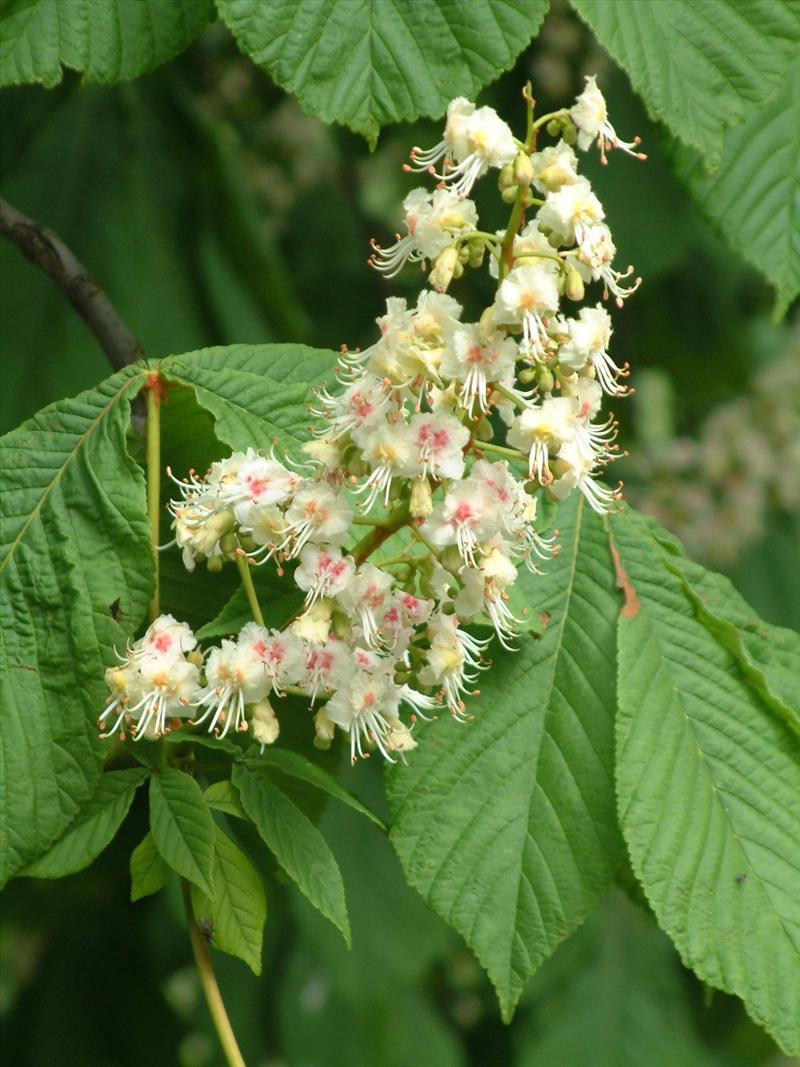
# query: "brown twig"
[[45, 248]]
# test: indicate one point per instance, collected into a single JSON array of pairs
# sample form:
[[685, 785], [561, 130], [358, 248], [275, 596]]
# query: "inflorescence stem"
[[211, 991], [249, 588], [153, 434]]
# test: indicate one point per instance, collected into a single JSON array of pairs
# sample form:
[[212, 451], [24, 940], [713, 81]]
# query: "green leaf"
[[234, 916], [182, 827], [149, 872], [251, 407], [75, 579], [708, 782], [222, 796], [297, 844], [94, 829], [366, 63], [297, 766], [612, 996], [754, 196], [507, 825], [106, 40], [699, 65], [768, 655]]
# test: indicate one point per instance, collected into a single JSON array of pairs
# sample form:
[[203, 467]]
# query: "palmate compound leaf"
[[297, 844], [708, 781], [506, 825], [106, 40], [754, 196], [75, 579], [94, 828], [366, 63], [235, 913], [699, 65], [182, 827], [257, 393]]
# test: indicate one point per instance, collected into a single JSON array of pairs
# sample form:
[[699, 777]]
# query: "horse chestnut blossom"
[[403, 524]]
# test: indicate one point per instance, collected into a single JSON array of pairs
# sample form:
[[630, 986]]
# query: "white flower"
[[590, 115], [258, 481], [477, 362], [366, 708], [366, 599], [525, 295], [439, 441], [420, 348], [474, 141], [541, 431], [465, 518], [328, 666], [267, 526], [164, 687], [434, 221], [389, 450], [317, 515], [575, 468], [314, 625], [404, 613], [356, 411], [570, 210], [166, 637], [594, 258], [281, 652], [451, 661], [235, 677], [323, 571], [553, 167]]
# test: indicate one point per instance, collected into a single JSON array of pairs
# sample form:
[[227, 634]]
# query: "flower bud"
[[527, 375], [574, 287], [477, 250], [506, 177], [451, 559], [509, 195], [209, 532], [569, 133], [484, 431], [546, 381], [323, 729], [421, 504], [523, 169], [265, 723], [443, 269], [195, 657], [228, 543], [553, 127], [324, 451], [214, 564]]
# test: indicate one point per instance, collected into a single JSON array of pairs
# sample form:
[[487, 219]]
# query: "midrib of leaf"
[[60, 473], [708, 768], [542, 727]]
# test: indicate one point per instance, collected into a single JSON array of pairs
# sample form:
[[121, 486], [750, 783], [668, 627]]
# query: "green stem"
[[249, 588], [507, 244], [154, 482], [208, 980], [501, 450], [550, 115]]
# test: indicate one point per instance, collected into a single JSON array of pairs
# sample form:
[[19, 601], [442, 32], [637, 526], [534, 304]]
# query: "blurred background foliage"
[[212, 211]]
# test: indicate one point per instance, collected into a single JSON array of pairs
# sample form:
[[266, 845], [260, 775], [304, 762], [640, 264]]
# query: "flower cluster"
[[405, 452]]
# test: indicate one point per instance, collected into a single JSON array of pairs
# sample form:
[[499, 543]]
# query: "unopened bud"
[[553, 127], [265, 723], [554, 240], [527, 375], [444, 268], [214, 564], [484, 431], [450, 559], [323, 729], [523, 169], [509, 195], [545, 380], [486, 322], [195, 657], [477, 250], [574, 287], [569, 133], [506, 178], [228, 543], [421, 504]]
